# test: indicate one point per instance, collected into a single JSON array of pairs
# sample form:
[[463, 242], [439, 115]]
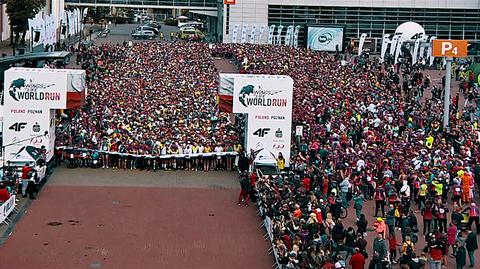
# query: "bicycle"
[[343, 211]]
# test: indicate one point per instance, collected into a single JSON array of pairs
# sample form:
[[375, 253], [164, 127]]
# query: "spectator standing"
[[451, 236], [344, 187], [358, 201], [280, 162], [4, 194], [338, 231], [473, 216], [243, 163], [436, 256], [471, 245], [441, 216], [422, 194], [408, 251], [26, 170], [362, 224], [427, 214], [405, 195], [379, 246], [379, 200], [392, 246], [460, 254], [361, 244], [245, 184], [390, 220], [357, 261], [376, 262], [380, 227]]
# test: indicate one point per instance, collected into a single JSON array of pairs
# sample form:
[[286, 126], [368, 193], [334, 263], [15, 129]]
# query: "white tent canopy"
[[410, 30]]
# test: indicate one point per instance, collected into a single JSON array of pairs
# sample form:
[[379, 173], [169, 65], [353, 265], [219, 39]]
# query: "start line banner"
[[7, 208], [167, 156]]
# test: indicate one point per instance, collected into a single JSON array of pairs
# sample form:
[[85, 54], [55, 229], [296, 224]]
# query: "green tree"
[[19, 11], [98, 13]]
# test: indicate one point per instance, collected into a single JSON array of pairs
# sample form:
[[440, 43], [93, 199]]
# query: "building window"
[[444, 23]]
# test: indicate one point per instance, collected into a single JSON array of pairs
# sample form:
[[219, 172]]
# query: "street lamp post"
[[449, 49], [446, 97]]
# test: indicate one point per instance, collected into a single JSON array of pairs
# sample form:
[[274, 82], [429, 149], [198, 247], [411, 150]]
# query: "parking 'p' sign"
[[450, 48]]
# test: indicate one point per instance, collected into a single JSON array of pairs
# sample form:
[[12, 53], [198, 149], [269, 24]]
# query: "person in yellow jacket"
[[422, 195], [429, 142], [438, 187], [408, 248], [280, 162]]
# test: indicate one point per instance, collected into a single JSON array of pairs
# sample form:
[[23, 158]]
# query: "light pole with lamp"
[[449, 49]]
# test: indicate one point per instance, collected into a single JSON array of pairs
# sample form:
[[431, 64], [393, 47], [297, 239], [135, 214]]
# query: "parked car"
[[144, 34], [171, 21], [104, 33], [153, 24], [195, 24], [147, 28]]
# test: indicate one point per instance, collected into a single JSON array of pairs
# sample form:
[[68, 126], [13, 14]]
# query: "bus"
[[182, 20]]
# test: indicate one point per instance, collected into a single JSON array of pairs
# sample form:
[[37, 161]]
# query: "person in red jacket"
[[325, 185], [4, 194], [306, 184], [25, 177], [358, 260]]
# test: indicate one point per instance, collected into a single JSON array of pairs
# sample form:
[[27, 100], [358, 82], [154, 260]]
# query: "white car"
[[144, 34]]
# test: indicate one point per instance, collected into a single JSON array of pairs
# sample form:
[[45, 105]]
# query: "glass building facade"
[[212, 4], [375, 22]]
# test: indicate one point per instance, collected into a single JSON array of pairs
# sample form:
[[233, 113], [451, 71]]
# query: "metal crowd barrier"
[[166, 156], [267, 224]]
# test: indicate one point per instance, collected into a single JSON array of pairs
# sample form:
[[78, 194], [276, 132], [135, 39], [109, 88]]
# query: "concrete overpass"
[[200, 5]]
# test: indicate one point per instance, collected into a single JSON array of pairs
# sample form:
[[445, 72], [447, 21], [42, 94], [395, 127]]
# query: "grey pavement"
[[133, 178]]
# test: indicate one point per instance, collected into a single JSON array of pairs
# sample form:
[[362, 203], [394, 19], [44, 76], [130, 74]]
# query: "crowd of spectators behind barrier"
[[369, 133]]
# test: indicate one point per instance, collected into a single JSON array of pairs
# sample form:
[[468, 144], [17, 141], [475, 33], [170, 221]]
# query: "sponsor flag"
[[360, 45], [278, 39], [295, 36], [243, 38], [385, 42], [260, 35], [252, 34], [235, 33], [271, 29], [288, 36]]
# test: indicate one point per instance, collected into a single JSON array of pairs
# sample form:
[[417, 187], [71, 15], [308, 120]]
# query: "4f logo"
[[261, 132], [18, 126]]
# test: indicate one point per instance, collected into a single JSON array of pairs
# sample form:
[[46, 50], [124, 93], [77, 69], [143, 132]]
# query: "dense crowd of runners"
[[372, 132], [152, 99]]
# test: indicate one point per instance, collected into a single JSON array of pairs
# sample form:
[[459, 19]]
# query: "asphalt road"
[[123, 219], [122, 32]]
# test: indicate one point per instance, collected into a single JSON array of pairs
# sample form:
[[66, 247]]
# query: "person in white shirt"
[[217, 163], [405, 195], [179, 149], [188, 149]]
